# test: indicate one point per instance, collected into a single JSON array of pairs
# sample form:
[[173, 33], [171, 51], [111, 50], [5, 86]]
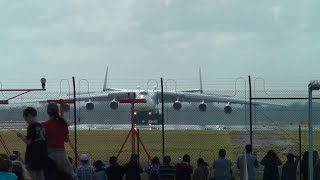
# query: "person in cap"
[[85, 171], [57, 134], [133, 169], [36, 151]]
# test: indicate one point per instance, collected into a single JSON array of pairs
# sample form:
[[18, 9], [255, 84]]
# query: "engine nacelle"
[[203, 107], [177, 105], [114, 105], [228, 109], [66, 108], [90, 106]]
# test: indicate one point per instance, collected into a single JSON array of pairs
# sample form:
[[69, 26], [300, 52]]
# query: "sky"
[[274, 39]]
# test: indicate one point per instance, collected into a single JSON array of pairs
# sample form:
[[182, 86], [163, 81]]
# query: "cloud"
[[226, 37]]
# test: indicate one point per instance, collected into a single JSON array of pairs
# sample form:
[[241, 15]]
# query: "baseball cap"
[[84, 157]]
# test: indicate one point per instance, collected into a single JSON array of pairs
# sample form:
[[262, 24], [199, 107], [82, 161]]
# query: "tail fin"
[[105, 81], [201, 87]]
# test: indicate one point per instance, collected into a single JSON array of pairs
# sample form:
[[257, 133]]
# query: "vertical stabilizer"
[[105, 81], [201, 87]]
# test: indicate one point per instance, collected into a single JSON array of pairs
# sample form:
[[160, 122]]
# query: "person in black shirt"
[[115, 171], [133, 168], [36, 152]]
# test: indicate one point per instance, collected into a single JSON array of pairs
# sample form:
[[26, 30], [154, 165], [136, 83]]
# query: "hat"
[[84, 157], [53, 107]]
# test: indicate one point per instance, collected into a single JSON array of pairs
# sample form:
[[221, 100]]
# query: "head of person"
[[166, 160], [70, 159], [53, 112], [30, 114], [84, 158], [113, 160], [98, 164], [186, 158], [271, 154], [201, 162], [248, 149], [13, 157], [19, 170], [290, 158], [134, 158], [155, 161], [5, 165], [222, 153]]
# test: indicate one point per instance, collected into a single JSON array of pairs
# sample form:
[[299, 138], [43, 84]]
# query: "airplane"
[[147, 113]]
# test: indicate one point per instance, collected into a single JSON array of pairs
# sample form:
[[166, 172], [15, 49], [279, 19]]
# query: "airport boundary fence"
[[195, 127]]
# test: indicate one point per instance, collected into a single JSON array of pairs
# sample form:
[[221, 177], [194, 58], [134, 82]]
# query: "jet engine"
[[228, 109], [66, 108], [203, 107], [114, 104], [177, 105], [90, 106]]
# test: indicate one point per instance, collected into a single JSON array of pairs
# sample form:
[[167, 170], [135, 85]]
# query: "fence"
[[198, 128]]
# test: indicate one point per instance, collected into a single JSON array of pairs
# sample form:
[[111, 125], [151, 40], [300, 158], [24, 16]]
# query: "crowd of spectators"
[[46, 159]]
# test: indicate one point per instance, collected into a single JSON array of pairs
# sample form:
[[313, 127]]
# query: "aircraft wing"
[[103, 96], [195, 97]]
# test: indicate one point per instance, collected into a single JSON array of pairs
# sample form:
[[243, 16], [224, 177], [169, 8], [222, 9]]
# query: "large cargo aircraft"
[[147, 113]]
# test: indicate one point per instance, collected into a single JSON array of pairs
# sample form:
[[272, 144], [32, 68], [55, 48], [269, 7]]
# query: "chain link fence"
[[197, 128]]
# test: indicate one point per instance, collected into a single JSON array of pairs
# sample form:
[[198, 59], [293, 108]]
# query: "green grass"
[[206, 144]]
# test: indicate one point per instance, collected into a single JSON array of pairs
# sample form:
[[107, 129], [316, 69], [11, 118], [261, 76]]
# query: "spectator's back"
[[183, 171], [251, 163]]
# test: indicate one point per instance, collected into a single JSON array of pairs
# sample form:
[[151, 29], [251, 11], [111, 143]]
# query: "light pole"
[[313, 85]]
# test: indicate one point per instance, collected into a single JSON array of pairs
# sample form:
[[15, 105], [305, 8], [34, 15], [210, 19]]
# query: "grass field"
[[103, 144]]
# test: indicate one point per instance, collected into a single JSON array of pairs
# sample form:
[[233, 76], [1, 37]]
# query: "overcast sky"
[[153, 38]]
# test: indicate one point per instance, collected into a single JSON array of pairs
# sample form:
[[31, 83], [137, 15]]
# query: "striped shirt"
[[85, 172], [167, 172]]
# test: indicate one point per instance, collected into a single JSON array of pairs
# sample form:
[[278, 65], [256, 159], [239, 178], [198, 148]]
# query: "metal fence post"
[[310, 138], [75, 123], [162, 118], [250, 89]]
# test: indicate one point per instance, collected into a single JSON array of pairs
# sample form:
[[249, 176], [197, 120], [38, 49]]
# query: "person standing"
[[115, 171], [201, 172], [133, 169], [36, 152], [184, 169], [100, 170], [289, 169], [271, 162], [167, 172], [58, 133], [85, 171], [250, 160], [153, 170], [222, 166]]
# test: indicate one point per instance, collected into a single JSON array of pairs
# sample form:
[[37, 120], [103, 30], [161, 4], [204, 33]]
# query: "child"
[[36, 152], [5, 170], [289, 169]]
